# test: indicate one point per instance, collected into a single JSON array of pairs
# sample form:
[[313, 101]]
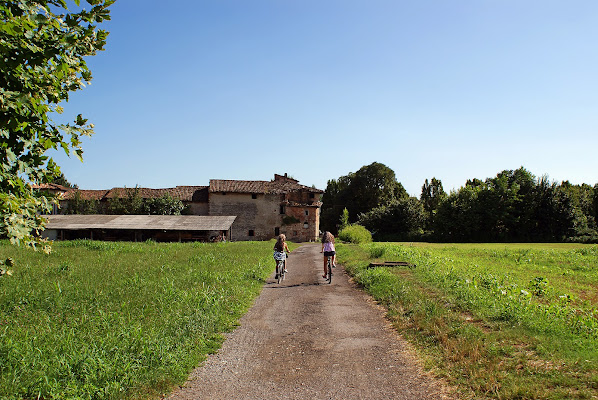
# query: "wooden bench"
[[391, 264]]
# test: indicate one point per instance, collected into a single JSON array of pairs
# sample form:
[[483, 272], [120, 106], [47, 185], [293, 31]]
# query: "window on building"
[[254, 196], [282, 209], [311, 195], [295, 233], [276, 231], [305, 225], [306, 212], [251, 233]]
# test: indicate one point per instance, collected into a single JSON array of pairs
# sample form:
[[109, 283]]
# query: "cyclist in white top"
[[328, 249]]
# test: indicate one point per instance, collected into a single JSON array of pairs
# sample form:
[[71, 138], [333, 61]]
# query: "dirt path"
[[305, 339]]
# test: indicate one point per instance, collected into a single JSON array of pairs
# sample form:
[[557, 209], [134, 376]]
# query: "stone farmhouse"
[[263, 209]]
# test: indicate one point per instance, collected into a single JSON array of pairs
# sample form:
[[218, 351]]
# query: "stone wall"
[[197, 208], [303, 197], [258, 215], [307, 228]]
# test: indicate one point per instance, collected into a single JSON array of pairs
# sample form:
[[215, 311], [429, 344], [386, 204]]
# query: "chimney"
[[284, 178]]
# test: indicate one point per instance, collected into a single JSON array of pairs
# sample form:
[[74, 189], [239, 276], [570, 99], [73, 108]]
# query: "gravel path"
[[306, 339]]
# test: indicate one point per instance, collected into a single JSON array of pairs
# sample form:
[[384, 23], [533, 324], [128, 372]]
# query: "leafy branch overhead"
[[43, 47]]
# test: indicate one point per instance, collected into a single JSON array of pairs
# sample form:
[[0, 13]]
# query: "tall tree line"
[[512, 206]]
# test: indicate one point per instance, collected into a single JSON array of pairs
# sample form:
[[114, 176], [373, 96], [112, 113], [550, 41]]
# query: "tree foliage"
[[512, 206], [60, 179], [401, 219], [42, 58], [344, 221], [79, 205], [371, 186], [432, 196], [163, 205], [125, 202]]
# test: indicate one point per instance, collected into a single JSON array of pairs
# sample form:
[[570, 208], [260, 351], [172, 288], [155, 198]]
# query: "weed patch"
[[506, 322]]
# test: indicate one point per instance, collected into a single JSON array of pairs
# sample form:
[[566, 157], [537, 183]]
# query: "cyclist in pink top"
[[328, 249]]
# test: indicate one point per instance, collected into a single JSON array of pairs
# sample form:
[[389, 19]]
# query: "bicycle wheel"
[[283, 266], [329, 270], [280, 270]]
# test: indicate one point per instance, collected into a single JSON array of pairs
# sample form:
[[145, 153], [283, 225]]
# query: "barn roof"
[[50, 186], [84, 194], [183, 193], [140, 222], [274, 187]]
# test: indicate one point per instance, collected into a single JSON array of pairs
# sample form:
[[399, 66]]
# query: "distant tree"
[[458, 217], [401, 219], [371, 186], [507, 201], [554, 212], [344, 221], [42, 59], [125, 202], [513, 206], [334, 201], [78, 205], [583, 199], [475, 182], [164, 205], [60, 179], [431, 196]]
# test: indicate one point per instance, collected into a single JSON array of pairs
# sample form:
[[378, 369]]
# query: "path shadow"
[[275, 285]]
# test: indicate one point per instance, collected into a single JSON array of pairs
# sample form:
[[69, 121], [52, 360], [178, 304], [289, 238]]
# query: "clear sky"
[[193, 90]]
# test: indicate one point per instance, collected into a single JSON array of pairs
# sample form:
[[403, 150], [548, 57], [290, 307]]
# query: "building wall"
[[260, 215], [303, 197], [307, 229], [197, 208]]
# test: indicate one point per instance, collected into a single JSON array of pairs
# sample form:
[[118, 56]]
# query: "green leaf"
[[44, 47], [10, 155], [79, 154]]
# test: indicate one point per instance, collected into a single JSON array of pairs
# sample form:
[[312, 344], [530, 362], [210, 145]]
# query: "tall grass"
[[105, 320], [504, 322]]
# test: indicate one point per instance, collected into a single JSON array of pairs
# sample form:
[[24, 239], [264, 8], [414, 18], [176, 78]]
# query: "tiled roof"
[[50, 186], [220, 185], [84, 194], [183, 193], [274, 187], [190, 193], [280, 185]]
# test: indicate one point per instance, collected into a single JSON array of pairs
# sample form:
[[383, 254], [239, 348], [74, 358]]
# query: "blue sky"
[[194, 90]]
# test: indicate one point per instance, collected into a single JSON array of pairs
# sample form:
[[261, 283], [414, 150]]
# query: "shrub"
[[355, 234]]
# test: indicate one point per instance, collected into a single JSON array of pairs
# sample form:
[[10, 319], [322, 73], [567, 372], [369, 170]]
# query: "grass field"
[[496, 321], [105, 320]]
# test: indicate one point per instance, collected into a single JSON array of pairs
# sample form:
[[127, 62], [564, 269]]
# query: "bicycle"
[[280, 270], [329, 269]]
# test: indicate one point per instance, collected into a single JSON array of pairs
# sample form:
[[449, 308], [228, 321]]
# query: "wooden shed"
[[164, 228]]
